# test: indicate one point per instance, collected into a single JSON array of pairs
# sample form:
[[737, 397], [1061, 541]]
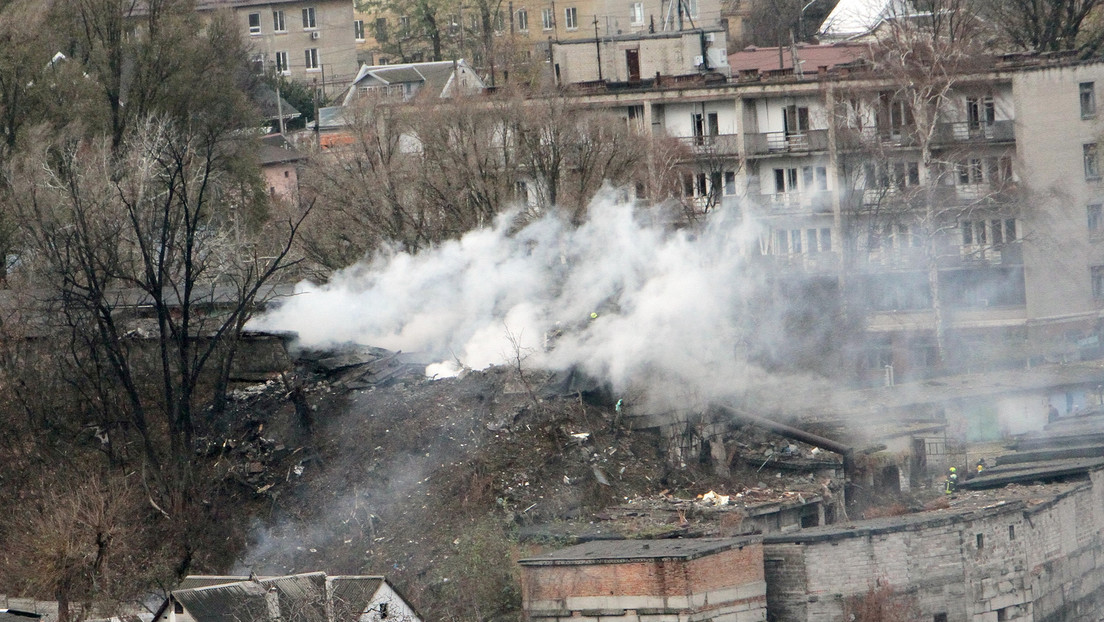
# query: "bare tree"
[[1047, 25], [159, 223], [920, 63], [417, 173]]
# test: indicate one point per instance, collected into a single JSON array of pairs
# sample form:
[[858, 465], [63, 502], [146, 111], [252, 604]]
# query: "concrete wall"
[[1016, 561], [671, 54], [1050, 134]]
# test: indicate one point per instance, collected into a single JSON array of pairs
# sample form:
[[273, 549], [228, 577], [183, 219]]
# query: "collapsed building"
[[1019, 541]]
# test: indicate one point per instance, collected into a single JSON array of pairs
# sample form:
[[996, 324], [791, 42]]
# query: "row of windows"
[[311, 61], [521, 17], [279, 21], [309, 18]]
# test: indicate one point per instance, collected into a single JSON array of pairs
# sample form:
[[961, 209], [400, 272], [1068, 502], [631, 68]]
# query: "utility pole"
[[598, 47], [280, 109]]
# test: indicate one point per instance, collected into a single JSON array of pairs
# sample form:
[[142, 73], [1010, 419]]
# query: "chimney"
[[272, 604]]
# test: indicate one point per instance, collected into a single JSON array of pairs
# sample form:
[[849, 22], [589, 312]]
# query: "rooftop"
[[625, 551]]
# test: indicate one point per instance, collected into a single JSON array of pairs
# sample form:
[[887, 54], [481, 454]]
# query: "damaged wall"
[[720, 579], [1026, 559]]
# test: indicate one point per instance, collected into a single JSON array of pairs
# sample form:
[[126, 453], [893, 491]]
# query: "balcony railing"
[[816, 202], [810, 263], [719, 144], [963, 132], [945, 134], [781, 142]]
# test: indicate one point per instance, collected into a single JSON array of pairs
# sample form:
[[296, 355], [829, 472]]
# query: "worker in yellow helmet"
[[951, 484]]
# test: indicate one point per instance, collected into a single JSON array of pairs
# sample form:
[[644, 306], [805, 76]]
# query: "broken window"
[[383, 610], [980, 112]]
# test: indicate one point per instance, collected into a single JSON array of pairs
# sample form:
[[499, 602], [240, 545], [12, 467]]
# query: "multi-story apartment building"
[[309, 41], [990, 251], [523, 30]]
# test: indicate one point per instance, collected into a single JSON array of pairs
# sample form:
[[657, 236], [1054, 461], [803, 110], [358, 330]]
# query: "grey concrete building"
[[813, 146]]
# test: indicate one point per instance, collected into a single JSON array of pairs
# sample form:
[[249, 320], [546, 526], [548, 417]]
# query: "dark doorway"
[[632, 59]]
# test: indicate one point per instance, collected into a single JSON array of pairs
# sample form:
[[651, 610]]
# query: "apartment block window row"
[[992, 232], [801, 241], [887, 175], [711, 185], [813, 178], [976, 171]]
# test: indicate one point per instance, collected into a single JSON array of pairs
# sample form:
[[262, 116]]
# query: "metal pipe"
[[792, 432]]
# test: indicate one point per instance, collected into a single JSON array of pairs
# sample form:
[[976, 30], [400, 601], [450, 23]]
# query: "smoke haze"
[[671, 305]]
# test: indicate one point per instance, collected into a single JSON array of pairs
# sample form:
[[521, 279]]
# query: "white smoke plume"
[[670, 305]]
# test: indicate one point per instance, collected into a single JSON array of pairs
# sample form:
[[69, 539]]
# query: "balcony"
[[780, 142], [946, 134], [793, 263], [716, 145], [818, 202], [965, 132]]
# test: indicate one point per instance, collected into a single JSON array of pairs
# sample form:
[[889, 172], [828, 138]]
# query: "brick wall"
[[737, 566], [1015, 561]]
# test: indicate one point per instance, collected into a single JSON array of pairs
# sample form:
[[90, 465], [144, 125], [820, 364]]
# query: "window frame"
[[1091, 157], [522, 19], [1086, 94], [310, 18], [279, 21], [283, 67], [636, 13], [1096, 276], [254, 22], [571, 18], [548, 19], [358, 30], [312, 60], [1094, 214]]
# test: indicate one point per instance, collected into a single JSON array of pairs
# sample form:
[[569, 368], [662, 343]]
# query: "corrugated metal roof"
[[352, 594], [233, 602], [301, 599], [191, 582]]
